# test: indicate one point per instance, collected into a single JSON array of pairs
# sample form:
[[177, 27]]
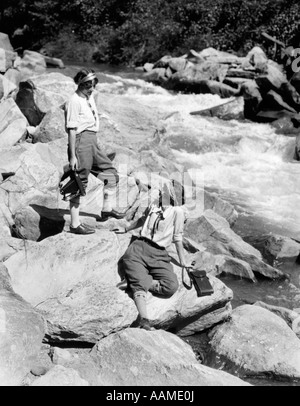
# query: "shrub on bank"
[[136, 31]]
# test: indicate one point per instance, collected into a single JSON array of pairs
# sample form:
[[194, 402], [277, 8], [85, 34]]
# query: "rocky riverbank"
[[259, 87], [59, 290]]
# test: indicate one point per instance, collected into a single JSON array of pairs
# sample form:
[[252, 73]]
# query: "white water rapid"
[[248, 164]]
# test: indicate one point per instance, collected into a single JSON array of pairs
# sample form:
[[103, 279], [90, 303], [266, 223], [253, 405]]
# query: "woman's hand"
[[119, 230], [73, 163]]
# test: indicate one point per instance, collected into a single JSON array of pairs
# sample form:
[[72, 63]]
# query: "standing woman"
[[82, 123]]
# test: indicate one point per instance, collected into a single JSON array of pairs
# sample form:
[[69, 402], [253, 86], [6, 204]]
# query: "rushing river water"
[[247, 164]]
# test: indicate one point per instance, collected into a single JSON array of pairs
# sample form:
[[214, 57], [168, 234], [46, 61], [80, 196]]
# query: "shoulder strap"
[[188, 287]]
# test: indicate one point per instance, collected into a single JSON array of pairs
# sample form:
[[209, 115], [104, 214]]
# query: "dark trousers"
[[143, 262], [92, 160]]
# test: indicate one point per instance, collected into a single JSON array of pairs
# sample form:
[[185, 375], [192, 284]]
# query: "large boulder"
[[258, 342], [52, 90], [12, 123], [51, 127], [138, 358], [72, 281], [291, 317], [21, 334], [32, 63]]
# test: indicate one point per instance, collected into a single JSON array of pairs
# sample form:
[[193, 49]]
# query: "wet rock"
[[258, 342]]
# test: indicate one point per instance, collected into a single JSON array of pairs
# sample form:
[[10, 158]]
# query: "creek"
[[249, 165]]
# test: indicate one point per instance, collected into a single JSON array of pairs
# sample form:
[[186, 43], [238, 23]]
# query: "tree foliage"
[[136, 31]]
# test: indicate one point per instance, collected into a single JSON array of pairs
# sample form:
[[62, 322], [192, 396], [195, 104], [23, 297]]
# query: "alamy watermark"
[[187, 187], [294, 53]]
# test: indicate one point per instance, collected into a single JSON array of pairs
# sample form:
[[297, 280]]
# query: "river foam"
[[248, 163]]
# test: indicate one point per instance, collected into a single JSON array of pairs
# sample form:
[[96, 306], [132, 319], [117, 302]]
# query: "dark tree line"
[[137, 31]]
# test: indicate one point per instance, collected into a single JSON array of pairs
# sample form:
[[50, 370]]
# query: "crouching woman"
[[146, 262]]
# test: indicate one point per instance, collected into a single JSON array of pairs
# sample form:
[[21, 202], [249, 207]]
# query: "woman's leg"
[[165, 282], [84, 154], [74, 212], [135, 269]]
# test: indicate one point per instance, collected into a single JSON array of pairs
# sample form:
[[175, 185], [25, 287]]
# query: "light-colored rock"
[[5, 42], [282, 247], [60, 376], [6, 87], [52, 90], [214, 232], [231, 110], [148, 67], [10, 245], [12, 123], [291, 317], [32, 63], [21, 334], [7, 59], [51, 127], [258, 59], [194, 73], [274, 78], [136, 357], [223, 264], [13, 75], [211, 201], [258, 341], [177, 64], [6, 219], [51, 62], [222, 56]]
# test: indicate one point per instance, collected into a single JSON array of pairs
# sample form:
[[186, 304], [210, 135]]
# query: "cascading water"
[[248, 164]]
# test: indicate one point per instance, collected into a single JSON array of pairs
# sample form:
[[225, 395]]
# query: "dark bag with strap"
[[199, 280], [70, 185]]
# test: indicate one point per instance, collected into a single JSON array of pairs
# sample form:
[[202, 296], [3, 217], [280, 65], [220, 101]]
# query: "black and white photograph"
[[150, 196]]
